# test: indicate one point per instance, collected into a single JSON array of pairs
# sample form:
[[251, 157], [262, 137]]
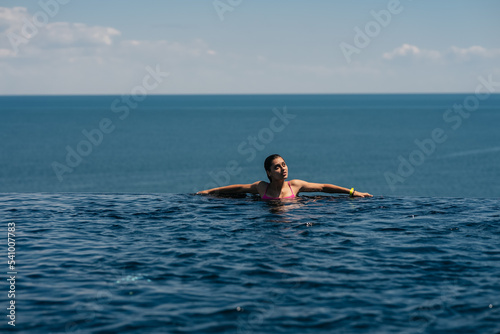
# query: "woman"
[[277, 188]]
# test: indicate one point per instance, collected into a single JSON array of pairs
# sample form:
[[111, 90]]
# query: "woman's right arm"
[[252, 188]]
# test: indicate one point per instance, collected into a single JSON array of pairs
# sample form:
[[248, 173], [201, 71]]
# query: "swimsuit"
[[268, 197]]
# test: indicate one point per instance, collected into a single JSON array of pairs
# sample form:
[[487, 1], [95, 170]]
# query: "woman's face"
[[278, 170]]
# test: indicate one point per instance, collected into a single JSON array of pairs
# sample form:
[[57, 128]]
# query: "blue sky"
[[283, 46]]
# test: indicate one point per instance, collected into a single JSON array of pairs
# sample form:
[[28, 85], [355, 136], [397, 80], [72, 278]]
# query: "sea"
[[103, 232]]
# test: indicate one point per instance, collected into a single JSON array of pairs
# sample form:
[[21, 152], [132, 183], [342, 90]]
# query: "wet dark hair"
[[268, 162]]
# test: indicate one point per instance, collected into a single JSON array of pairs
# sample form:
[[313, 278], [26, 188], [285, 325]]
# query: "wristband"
[[351, 193]]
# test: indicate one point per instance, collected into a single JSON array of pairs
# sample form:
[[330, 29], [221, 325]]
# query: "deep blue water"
[[179, 144], [179, 263], [110, 239]]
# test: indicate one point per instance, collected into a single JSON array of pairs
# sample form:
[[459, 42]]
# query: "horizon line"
[[239, 94]]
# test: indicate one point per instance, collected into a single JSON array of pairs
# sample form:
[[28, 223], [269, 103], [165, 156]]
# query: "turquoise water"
[[177, 263], [181, 144]]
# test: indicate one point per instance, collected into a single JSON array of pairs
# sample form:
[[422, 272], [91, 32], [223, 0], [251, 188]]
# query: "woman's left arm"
[[326, 188]]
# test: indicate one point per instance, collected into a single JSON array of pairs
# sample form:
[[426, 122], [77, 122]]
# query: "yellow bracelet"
[[351, 193]]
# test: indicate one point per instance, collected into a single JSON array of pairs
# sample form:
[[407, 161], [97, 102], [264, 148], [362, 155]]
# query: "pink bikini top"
[[267, 197]]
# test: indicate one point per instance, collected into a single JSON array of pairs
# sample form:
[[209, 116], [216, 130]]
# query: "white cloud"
[[474, 51], [22, 29], [5, 53], [12, 18], [70, 34], [79, 58], [408, 50], [80, 38], [453, 53]]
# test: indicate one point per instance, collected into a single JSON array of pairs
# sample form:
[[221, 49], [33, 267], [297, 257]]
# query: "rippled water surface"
[[166, 263]]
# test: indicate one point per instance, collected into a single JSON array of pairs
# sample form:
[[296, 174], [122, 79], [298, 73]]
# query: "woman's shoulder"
[[260, 184], [296, 182]]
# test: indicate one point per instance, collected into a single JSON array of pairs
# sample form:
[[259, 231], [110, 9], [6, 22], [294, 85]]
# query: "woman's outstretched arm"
[[252, 188], [326, 188]]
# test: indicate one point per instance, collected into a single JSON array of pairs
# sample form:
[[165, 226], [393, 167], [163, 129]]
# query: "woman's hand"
[[360, 194], [204, 192]]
